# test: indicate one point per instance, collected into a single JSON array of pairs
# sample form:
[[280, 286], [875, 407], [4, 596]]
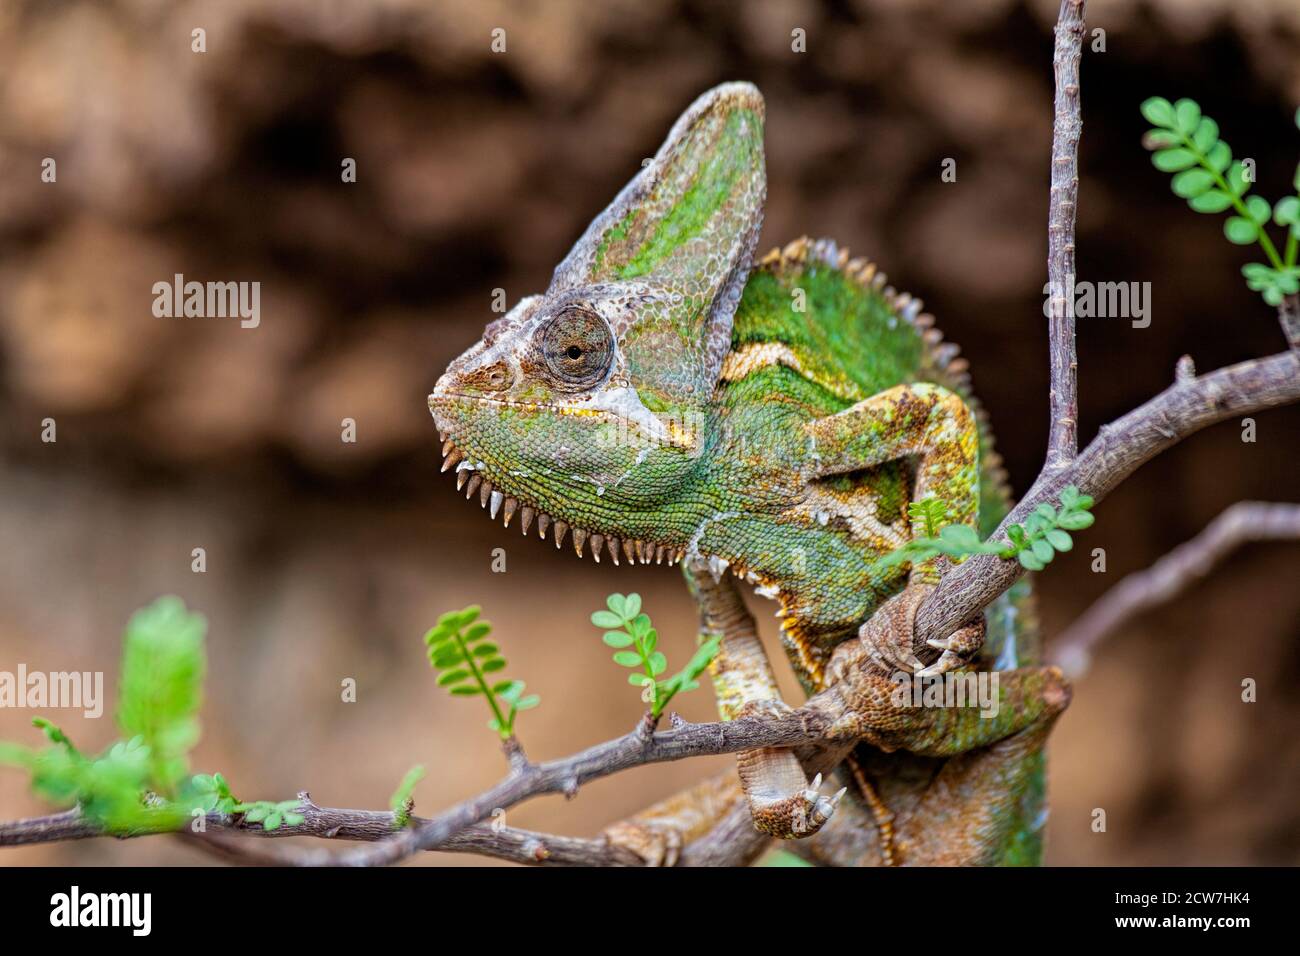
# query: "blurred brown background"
[[476, 171]]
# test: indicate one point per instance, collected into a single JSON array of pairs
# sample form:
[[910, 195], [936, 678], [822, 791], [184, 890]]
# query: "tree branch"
[[1119, 449], [1189, 562], [1063, 399]]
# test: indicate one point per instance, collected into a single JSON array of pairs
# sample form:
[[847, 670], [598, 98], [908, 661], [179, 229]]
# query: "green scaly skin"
[[667, 399]]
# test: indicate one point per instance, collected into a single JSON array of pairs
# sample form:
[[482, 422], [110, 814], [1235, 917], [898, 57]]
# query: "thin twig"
[[1063, 400], [1180, 568]]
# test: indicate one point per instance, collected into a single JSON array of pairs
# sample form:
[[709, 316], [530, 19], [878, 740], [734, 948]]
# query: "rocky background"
[[475, 171]]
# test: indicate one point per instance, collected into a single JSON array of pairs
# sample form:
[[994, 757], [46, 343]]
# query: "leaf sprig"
[[1045, 532], [1186, 143], [627, 627], [463, 657]]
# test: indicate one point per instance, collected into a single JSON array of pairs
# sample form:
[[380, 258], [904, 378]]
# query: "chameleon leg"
[[936, 427], [993, 741], [780, 798], [658, 833]]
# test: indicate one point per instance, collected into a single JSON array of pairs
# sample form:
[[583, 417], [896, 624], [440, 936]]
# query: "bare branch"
[[733, 842], [1189, 562], [1062, 437], [1119, 449]]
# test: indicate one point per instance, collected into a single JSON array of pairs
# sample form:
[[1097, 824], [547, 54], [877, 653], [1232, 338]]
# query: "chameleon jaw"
[[496, 502]]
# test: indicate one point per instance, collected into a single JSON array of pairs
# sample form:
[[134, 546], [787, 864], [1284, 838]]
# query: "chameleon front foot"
[[888, 637]]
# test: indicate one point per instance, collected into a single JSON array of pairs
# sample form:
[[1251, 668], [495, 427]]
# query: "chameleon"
[[765, 423]]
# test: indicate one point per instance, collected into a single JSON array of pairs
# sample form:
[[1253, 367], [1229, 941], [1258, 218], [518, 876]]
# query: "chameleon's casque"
[[668, 398]]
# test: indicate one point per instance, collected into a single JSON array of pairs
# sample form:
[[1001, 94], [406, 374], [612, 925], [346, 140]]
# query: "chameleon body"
[[767, 424]]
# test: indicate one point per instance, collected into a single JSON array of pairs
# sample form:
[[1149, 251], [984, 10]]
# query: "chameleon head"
[[610, 372]]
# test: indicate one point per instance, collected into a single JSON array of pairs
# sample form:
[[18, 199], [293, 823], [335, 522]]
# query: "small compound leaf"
[[1192, 182], [632, 605], [1259, 209], [1158, 112], [1240, 231], [627, 659], [1206, 135], [617, 638], [608, 619], [1216, 200], [1187, 114], [1060, 540], [1029, 561], [1043, 551], [1173, 160]]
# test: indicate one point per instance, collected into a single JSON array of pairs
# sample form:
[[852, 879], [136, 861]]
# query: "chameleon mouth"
[[496, 502]]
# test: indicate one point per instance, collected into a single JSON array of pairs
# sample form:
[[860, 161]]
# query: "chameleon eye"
[[578, 347]]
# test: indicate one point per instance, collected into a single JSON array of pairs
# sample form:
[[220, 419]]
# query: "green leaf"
[[527, 703], [638, 680], [486, 649], [448, 678], [607, 619], [466, 690], [649, 641], [632, 605], [1042, 550], [1159, 112], [1076, 521], [1030, 562], [492, 666], [1219, 157], [161, 686], [1240, 231], [448, 658], [1192, 182], [1215, 200], [1173, 160], [1206, 135], [480, 630], [1237, 180], [467, 616], [1060, 540], [658, 663], [1187, 115], [508, 690], [1287, 211], [617, 638], [1259, 209], [628, 659], [618, 604]]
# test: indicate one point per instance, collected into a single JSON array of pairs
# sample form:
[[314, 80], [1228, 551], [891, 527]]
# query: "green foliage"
[[400, 802], [1034, 544], [141, 783], [272, 815], [1186, 143], [931, 511], [1047, 530], [463, 658], [161, 686], [627, 627]]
